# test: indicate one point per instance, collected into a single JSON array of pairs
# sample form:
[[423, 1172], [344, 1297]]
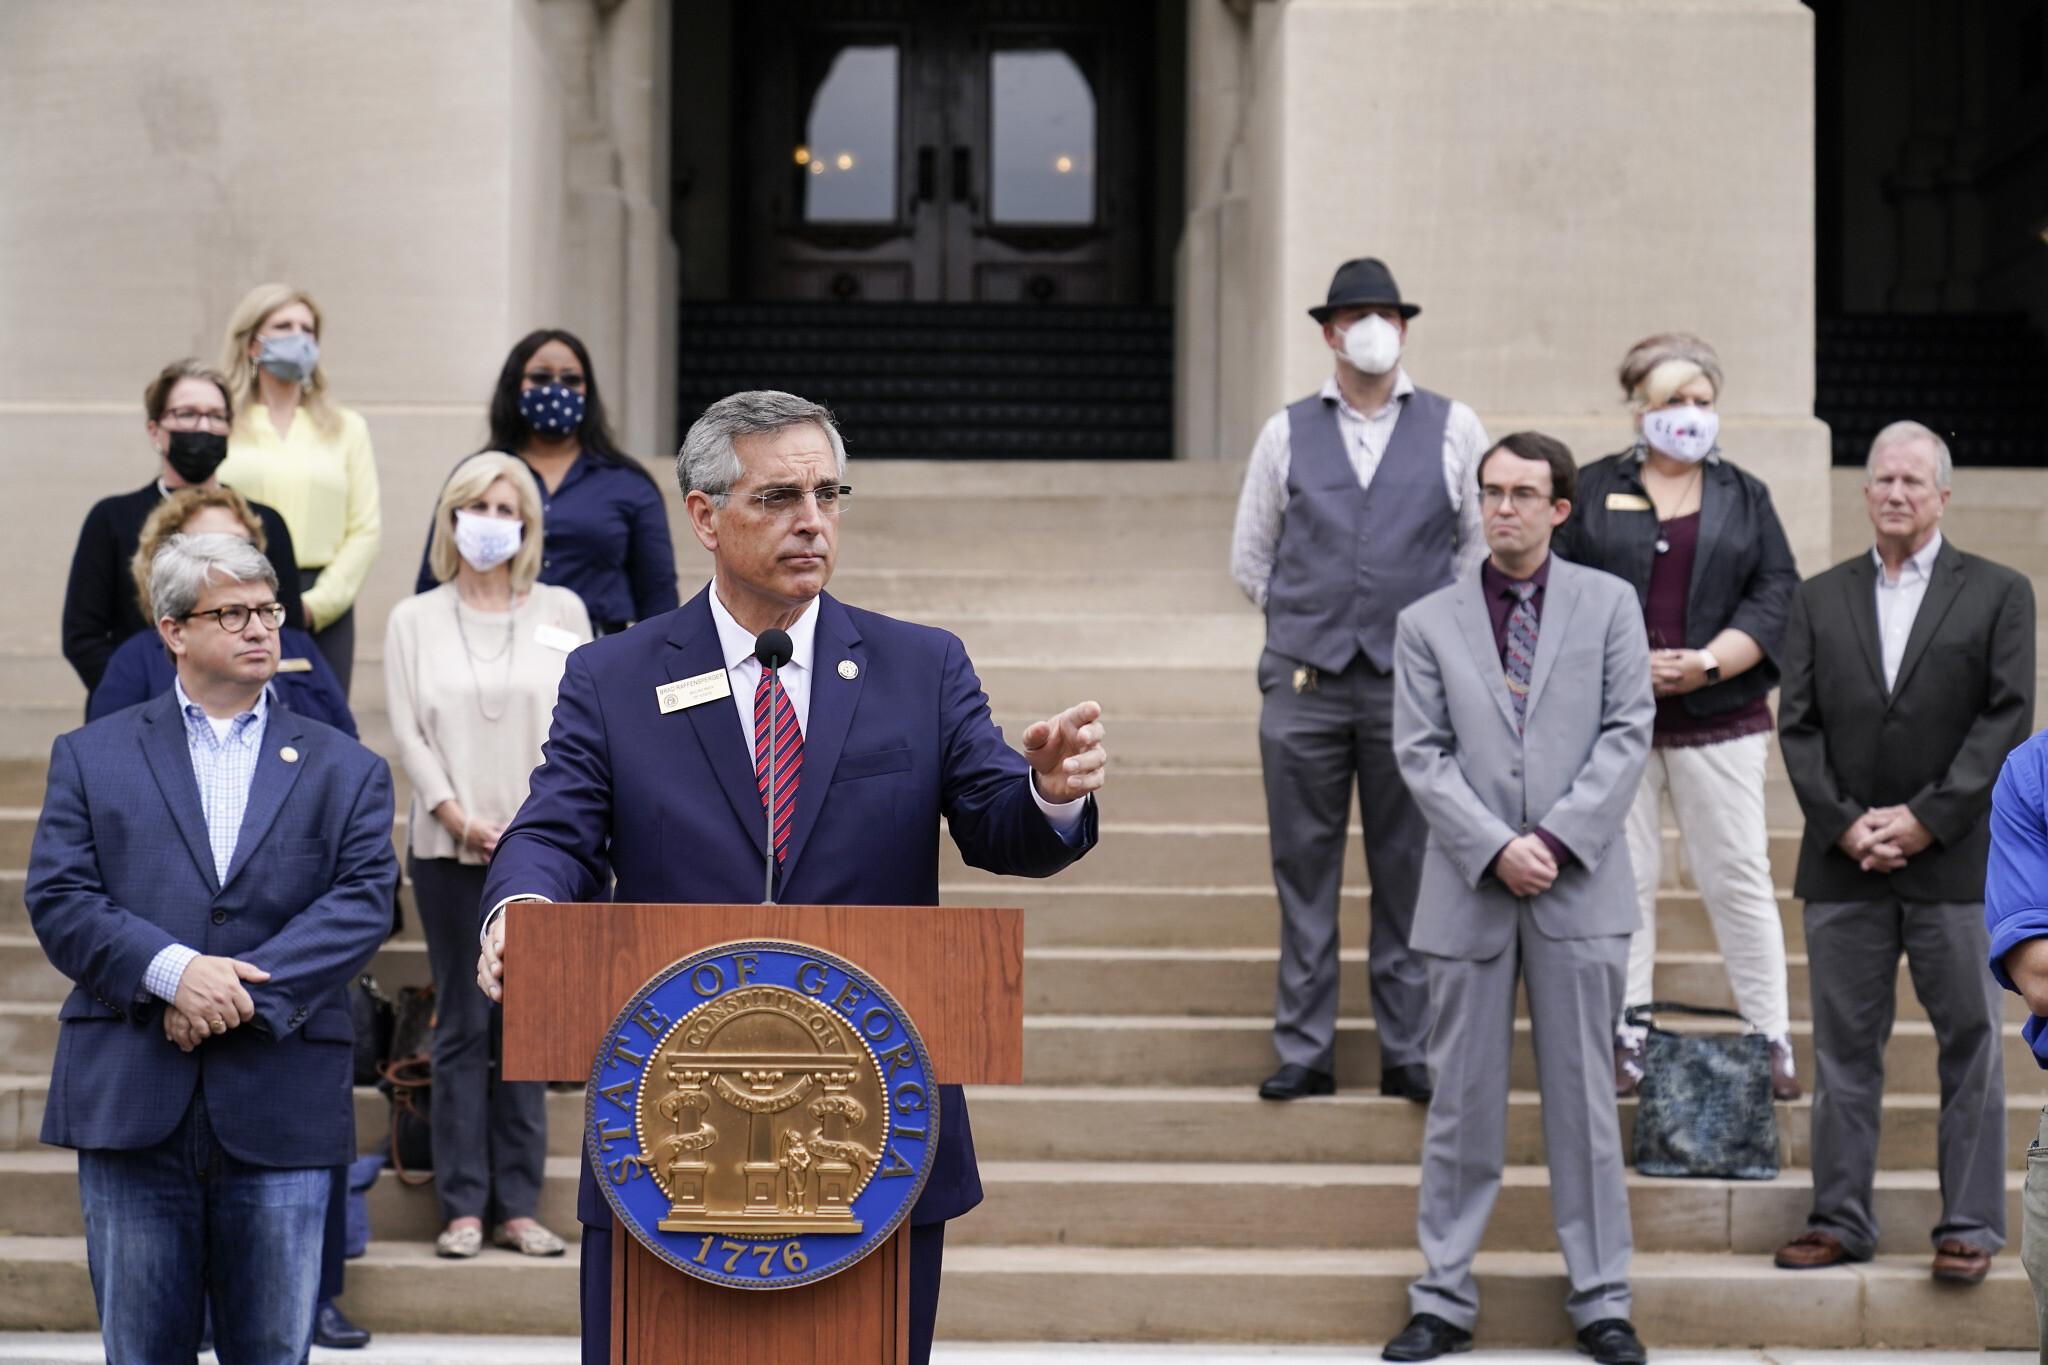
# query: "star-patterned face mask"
[[552, 409]]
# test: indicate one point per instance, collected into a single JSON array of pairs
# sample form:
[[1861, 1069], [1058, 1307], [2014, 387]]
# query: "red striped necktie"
[[789, 758]]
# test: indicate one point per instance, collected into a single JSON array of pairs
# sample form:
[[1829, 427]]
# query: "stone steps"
[[1223, 1204]]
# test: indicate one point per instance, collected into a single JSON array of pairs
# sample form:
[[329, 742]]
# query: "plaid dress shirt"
[[225, 766]]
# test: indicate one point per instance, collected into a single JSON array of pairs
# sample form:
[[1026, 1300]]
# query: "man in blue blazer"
[[210, 870], [881, 729]]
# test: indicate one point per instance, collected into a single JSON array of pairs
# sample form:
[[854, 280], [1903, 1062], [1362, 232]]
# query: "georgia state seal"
[[761, 1114]]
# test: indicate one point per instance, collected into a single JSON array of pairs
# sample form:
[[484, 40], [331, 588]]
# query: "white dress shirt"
[[1262, 504], [1898, 603]]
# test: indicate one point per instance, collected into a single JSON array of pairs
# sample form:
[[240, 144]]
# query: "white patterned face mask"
[[1685, 434], [1373, 344], [486, 542]]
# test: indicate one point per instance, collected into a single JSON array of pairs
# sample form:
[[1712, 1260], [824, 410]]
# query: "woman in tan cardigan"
[[471, 669]]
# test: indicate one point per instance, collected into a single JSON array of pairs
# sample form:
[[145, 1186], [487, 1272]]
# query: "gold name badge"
[[295, 665], [1628, 502], [695, 691]]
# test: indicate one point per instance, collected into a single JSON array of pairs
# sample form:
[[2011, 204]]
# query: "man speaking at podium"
[[880, 728]]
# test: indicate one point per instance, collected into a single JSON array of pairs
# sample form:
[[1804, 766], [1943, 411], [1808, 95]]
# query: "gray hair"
[[185, 564], [707, 463], [1897, 434]]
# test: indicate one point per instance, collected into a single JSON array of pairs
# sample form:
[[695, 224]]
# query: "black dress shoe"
[[1410, 1082], [1426, 1337], [1291, 1082], [333, 1330], [1612, 1341]]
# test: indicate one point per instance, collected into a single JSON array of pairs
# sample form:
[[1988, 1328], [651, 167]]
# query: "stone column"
[[1550, 181]]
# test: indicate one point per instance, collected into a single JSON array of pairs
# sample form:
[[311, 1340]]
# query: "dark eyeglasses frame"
[[272, 615]]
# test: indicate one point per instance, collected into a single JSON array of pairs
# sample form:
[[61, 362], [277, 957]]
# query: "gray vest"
[[1351, 558]]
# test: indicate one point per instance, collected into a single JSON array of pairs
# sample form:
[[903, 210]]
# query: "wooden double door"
[[968, 151]]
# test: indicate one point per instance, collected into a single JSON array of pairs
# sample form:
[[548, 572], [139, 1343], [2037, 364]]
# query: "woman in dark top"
[[1699, 540], [188, 414], [606, 531]]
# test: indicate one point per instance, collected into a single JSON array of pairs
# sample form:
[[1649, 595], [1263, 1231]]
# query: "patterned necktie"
[[789, 758], [1521, 652]]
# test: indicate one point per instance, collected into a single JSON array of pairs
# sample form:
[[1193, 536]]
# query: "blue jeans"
[[170, 1226]]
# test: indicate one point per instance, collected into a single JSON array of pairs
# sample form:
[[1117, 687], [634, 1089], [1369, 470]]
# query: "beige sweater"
[[438, 691]]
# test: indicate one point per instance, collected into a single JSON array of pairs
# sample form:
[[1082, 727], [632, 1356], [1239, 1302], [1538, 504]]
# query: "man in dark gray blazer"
[[1909, 675], [1522, 715]]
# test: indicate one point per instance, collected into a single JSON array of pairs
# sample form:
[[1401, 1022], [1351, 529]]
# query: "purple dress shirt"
[[1500, 604]]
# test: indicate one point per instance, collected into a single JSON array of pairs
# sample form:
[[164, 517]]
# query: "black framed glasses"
[[234, 620], [194, 419], [784, 502]]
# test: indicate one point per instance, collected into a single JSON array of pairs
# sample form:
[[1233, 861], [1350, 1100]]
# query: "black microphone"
[[773, 649]]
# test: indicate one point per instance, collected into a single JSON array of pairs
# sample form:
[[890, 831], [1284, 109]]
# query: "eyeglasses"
[[784, 502], [234, 620], [568, 379], [189, 419], [1524, 499]]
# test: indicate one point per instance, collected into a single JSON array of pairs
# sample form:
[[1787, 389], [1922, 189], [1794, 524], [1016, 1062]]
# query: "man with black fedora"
[[1360, 499]]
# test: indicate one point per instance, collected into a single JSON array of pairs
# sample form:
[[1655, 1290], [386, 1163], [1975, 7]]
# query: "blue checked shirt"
[[225, 765]]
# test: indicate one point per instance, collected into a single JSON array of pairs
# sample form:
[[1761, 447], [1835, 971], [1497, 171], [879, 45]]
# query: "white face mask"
[[1684, 433], [486, 542], [1373, 344]]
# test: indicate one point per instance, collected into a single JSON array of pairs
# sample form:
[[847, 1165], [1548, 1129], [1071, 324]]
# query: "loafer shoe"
[[1293, 1081], [1612, 1341], [1426, 1337], [1409, 1082], [532, 1240], [1960, 1263], [1784, 1080], [1812, 1250], [332, 1329], [459, 1243]]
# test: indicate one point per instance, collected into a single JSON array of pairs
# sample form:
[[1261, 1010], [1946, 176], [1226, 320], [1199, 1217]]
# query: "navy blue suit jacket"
[[121, 868], [670, 805]]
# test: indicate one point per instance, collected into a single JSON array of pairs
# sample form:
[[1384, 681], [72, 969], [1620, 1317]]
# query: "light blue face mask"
[[291, 356]]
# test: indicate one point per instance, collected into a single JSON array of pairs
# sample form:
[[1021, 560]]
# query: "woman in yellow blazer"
[[311, 460]]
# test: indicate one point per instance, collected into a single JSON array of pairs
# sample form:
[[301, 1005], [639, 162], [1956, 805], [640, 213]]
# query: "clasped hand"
[[1674, 672], [210, 1000], [1883, 837], [1525, 866]]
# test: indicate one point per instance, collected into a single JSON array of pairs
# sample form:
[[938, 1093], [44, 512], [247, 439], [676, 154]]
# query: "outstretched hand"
[[1066, 753]]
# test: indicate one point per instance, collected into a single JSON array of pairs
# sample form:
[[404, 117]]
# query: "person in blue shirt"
[[139, 669], [2016, 913], [606, 533]]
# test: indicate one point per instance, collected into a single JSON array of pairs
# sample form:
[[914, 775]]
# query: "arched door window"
[[847, 159], [1041, 139]]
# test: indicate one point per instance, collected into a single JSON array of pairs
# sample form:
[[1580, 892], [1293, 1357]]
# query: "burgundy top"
[[1664, 615], [1500, 604]]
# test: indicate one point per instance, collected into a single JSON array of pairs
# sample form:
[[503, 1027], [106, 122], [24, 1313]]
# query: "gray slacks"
[[490, 1136], [2034, 1230], [1852, 950], [1313, 746], [1574, 987]]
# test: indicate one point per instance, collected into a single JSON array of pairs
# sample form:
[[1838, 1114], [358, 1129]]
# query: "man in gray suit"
[[1522, 714]]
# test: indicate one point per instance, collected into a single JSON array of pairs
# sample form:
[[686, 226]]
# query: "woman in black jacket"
[[1701, 543]]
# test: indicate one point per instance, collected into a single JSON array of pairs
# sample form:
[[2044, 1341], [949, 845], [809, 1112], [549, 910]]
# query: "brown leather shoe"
[[1960, 1262], [1811, 1251], [1784, 1081]]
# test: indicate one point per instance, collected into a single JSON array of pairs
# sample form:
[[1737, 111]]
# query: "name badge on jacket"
[[677, 696], [1628, 502], [554, 637]]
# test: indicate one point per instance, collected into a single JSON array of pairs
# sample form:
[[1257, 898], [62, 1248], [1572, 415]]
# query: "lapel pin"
[[848, 669], [288, 754]]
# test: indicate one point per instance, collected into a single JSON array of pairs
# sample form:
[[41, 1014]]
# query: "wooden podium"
[[957, 972]]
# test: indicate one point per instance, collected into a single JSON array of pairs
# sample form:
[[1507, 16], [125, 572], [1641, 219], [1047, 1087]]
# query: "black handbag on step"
[[408, 1081], [1705, 1107]]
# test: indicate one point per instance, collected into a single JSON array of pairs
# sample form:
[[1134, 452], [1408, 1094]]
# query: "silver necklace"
[[504, 652], [1663, 542]]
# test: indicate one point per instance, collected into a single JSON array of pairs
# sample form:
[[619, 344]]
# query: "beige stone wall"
[[1552, 181], [443, 175]]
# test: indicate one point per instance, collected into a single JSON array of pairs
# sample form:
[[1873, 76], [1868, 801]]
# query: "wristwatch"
[[1712, 665]]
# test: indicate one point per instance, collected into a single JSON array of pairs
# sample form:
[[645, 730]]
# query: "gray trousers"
[[490, 1136], [1574, 987], [1852, 950], [2034, 1230], [1313, 745]]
